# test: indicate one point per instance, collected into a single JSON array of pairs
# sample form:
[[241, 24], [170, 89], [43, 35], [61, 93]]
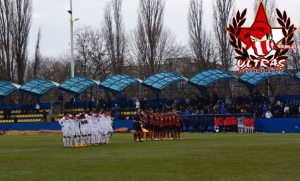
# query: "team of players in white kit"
[[86, 129]]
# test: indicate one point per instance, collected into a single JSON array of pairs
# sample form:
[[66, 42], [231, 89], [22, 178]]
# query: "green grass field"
[[196, 157]]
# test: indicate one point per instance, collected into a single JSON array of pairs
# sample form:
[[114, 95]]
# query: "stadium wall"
[[272, 125], [277, 125]]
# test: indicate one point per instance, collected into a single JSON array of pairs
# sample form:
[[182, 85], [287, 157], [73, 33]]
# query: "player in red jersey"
[[166, 125], [246, 123], [151, 124], [178, 128], [161, 126], [143, 121], [173, 124], [156, 126], [251, 125]]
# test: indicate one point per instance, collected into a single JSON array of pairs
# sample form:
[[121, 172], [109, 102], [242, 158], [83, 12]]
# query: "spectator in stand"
[[256, 99], [4, 113], [233, 100], [90, 104], [15, 119], [45, 115], [160, 107], [272, 99], [60, 98], [281, 110], [173, 106], [286, 111], [197, 122], [206, 100], [223, 110], [219, 103], [294, 110], [143, 104], [227, 101], [276, 111], [244, 100], [123, 103], [187, 102], [264, 109], [71, 102], [278, 99], [215, 98], [137, 104], [37, 108], [268, 114], [8, 112], [117, 108], [205, 124], [298, 109], [256, 114], [177, 104], [52, 119]]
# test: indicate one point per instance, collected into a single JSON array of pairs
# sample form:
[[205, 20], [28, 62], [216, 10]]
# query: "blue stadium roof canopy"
[[7, 87], [252, 79], [208, 77], [38, 86], [77, 85], [297, 76], [161, 80], [117, 83]]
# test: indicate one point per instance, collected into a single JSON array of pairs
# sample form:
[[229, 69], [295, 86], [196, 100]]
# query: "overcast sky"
[[53, 19]]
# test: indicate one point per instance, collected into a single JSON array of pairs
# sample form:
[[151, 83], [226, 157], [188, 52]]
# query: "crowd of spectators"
[[259, 105]]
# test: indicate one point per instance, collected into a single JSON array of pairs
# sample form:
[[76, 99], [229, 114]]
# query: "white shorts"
[[240, 126], [89, 129], [110, 129], [94, 130], [66, 131], [76, 131], [104, 130], [84, 130]]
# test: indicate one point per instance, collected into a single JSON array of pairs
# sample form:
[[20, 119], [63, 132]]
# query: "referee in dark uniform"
[[137, 125]]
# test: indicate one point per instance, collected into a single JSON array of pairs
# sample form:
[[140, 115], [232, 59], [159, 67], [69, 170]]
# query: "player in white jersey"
[[66, 131], [94, 129], [83, 129], [241, 124], [89, 118], [71, 126], [76, 131], [99, 128], [109, 126], [103, 127]]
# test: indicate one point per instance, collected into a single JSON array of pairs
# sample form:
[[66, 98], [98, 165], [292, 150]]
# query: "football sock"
[[64, 142], [93, 139]]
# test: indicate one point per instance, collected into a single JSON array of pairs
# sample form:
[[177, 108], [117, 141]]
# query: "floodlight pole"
[[72, 50]]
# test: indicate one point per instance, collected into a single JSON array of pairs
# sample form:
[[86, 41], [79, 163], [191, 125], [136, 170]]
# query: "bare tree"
[[113, 31], [20, 31], [293, 62], [270, 6], [223, 13], [151, 43], [6, 53], [37, 55], [201, 46], [90, 52]]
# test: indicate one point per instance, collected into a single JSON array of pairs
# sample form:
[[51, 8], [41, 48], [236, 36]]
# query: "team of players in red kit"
[[156, 126], [244, 125]]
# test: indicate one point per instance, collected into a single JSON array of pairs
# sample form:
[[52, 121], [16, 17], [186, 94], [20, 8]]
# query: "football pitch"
[[197, 156]]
